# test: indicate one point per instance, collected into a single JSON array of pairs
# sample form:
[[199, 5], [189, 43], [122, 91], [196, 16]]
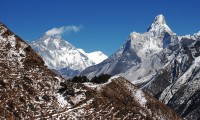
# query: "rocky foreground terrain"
[[28, 90]]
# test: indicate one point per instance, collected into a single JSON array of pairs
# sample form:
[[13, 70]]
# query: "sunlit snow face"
[[134, 35]]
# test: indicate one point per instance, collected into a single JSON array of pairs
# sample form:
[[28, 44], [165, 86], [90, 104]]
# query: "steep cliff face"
[[177, 83]]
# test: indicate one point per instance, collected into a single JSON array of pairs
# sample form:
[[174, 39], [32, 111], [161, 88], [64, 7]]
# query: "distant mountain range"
[[63, 57], [161, 63]]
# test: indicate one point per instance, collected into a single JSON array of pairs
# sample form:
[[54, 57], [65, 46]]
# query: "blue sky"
[[104, 24]]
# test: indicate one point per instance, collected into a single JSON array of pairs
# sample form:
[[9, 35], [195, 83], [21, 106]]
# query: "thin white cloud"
[[63, 29]]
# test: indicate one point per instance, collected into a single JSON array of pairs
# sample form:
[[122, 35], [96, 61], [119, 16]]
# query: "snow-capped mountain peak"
[[137, 52], [159, 25], [55, 41], [160, 19], [58, 53], [62, 56], [197, 34], [154, 40]]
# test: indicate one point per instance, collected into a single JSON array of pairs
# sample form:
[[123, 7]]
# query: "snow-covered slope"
[[96, 56], [135, 59], [60, 55], [177, 83]]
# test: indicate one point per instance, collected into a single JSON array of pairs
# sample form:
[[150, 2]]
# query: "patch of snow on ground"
[[99, 86], [137, 94], [112, 78], [79, 98], [61, 100]]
